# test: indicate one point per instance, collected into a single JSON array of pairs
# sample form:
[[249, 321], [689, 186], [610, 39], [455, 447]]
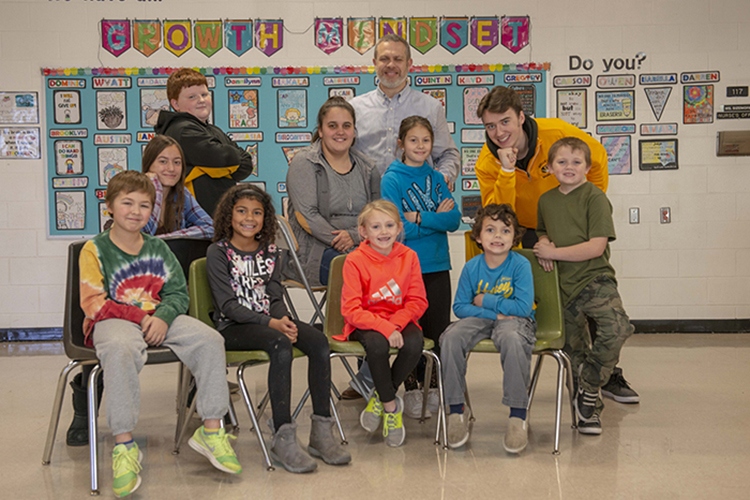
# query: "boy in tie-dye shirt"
[[133, 294]]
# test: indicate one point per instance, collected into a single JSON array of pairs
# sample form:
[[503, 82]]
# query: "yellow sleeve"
[[495, 185]]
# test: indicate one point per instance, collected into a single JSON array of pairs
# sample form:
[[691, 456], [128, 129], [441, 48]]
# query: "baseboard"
[[30, 334]]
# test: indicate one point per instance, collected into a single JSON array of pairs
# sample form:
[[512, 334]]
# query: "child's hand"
[[342, 240], [285, 326], [151, 175], [508, 157], [544, 249], [503, 316], [396, 340], [446, 205], [547, 264], [411, 217], [154, 330], [478, 300]]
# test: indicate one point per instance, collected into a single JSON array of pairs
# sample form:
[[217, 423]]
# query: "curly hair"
[[502, 213], [225, 208]]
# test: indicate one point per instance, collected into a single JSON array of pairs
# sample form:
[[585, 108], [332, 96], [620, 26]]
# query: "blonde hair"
[[380, 205]]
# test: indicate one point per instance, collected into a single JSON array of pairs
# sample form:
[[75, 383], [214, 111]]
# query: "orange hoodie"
[[381, 292]]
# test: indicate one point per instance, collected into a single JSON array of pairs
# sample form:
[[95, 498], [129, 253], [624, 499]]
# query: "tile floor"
[[689, 437]]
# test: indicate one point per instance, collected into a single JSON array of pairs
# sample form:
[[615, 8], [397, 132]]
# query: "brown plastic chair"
[[80, 355]]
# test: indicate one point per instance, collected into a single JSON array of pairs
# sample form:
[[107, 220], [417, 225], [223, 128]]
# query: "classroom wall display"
[[698, 104], [571, 106], [267, 35], [19, 143], [618, 154], [615, 105], [269, 111], [19, 107], [657, 154]]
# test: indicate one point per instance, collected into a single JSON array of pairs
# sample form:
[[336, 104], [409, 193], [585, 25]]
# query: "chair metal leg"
[[571, 390], [182, 429], [426, 388], [301, 403], [290, 304], [558, 399], [54, 420], [441, 418], [233, 416], [353, 376], [336, 418], [183, 415], [534, 380], [253, 417], [93, 430]]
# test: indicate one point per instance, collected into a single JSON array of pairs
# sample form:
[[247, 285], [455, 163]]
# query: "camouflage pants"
[[601, 302]]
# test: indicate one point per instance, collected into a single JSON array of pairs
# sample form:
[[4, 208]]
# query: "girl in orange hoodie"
[[382, 300]]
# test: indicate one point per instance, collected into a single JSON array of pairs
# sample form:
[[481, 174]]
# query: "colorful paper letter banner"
[[329, 34], [238, 36], [361, 33], [454, 33], [177, 37], [514, 33], [116, 36], [147, 36], [423, 33], [208, 37], [395, 25], [484, 33], [269, 36]]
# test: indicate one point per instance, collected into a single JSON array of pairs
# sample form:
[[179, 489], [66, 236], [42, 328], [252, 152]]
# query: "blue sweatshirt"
[[508, 289], [422, 189]]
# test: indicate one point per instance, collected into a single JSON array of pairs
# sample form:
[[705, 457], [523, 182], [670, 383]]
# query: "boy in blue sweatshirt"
[[494, 300]]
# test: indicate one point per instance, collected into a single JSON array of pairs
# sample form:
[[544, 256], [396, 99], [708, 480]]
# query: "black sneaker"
[[591, 426], [586, 404], [617, 388]]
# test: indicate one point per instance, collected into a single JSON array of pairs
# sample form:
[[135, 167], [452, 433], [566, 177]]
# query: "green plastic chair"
[[334, 325], [550, 334], [201, 307]]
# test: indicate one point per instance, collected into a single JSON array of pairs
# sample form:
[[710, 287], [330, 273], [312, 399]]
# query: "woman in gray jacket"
[[328, 184]]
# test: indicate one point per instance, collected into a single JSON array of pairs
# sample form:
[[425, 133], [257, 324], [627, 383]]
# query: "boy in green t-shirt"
[[133, 295], [575, 227]]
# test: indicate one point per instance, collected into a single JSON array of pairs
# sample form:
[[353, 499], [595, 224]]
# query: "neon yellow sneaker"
[[393, 425], [216, 448], [126, 466], [371, 415]]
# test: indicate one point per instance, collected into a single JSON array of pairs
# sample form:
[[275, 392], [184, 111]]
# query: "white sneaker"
[[516, 436], [413, 405], [458, 428], [433, 400]]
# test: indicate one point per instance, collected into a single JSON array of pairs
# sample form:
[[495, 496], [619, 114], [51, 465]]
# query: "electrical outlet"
[[665, 215], [635, 215]]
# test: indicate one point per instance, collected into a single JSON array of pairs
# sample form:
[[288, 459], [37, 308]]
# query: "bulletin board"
[[98, 120]]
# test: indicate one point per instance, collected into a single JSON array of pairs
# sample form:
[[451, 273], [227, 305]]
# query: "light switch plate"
[[635, 215], [665, 215]]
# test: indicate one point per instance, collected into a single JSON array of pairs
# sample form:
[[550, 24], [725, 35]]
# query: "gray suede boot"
[[285, 449], [324, 445]]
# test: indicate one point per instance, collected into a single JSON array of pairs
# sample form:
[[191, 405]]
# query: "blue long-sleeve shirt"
[[508, 289], [422, 189], [195, 222]]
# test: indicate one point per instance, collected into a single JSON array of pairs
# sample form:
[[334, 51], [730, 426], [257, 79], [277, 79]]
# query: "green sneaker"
[[371, 415], [216, 448], [393, 425], [126, 466]]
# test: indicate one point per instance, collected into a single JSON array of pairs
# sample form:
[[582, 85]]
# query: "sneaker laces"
[[126, 462], [220, 442], [390, 423]]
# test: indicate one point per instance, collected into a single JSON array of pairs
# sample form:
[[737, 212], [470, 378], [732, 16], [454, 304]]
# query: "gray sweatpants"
[[122, 352], [514, 338]]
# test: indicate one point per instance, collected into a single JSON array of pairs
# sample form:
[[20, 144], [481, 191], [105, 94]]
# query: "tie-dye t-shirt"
[[115, 284]]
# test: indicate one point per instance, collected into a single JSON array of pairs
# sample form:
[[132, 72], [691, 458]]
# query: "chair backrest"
[[549, 311], [201, 303], [334, 321], [285, 236], [73, 315], [187, 250]]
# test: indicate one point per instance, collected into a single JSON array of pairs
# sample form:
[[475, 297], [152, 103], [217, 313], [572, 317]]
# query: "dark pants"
[[248, 337], [386, 377]]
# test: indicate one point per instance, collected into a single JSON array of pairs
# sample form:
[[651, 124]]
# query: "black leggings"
[[386, 377], [248, 337]]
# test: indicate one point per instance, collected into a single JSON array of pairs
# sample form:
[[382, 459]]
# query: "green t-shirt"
[[577, 217]]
